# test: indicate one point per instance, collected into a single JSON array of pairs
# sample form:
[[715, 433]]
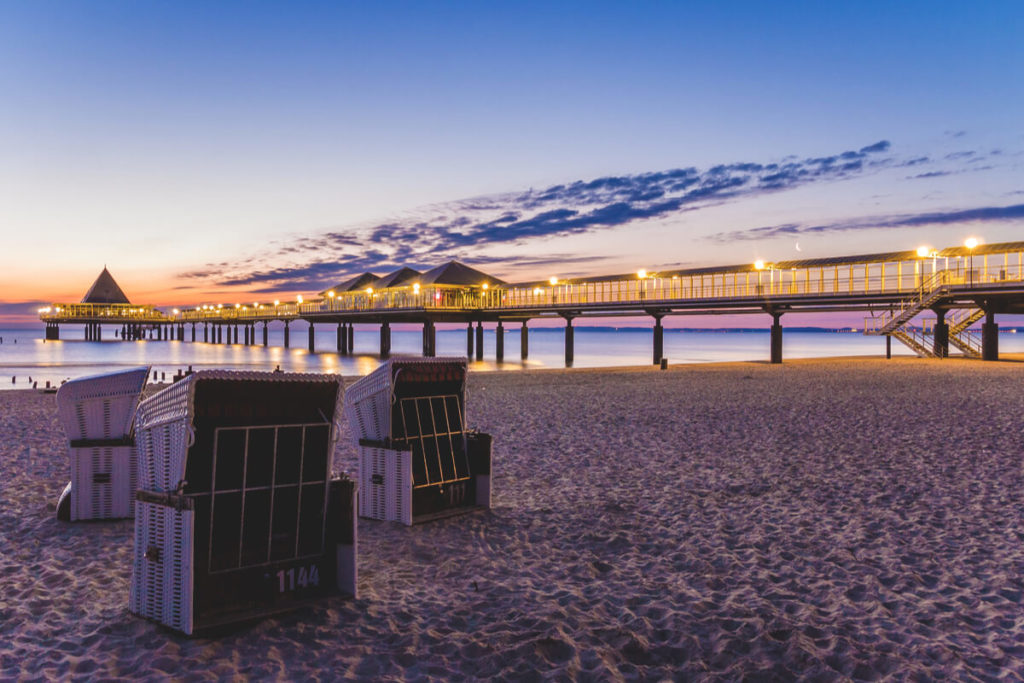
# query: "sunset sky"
[[223, 151]]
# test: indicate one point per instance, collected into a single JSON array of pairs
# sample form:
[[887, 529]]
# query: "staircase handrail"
[[929, 290]]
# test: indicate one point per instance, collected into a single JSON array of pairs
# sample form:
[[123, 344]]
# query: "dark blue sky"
[[202, 147]]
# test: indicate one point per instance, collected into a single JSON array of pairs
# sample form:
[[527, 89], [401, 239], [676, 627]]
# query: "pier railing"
[[913, 278]]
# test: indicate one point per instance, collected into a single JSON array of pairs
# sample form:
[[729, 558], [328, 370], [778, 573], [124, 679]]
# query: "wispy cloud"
[[460, 229], [986, 214]]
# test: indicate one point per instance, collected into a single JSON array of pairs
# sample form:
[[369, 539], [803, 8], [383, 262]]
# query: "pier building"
[[927, 299]]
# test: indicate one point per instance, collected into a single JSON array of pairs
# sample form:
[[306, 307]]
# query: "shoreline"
[[845, 518]]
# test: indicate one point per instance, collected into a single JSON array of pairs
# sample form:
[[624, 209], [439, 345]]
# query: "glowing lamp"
[[641, 273], [416, 288], [922, 252], [759, 264], [299, 298], [971, 242], [553, 280]]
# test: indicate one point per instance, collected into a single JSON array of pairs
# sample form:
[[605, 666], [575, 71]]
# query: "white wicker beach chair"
[[237, 515], [97, 413], [417, 460]]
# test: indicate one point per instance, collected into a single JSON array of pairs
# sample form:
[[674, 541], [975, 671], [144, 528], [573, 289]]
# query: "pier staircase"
[[896, 321]]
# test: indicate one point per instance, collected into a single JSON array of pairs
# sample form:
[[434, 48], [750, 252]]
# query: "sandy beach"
[[826, 519]]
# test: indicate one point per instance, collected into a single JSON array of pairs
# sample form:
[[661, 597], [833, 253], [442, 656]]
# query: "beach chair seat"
[[417, 459], [97, 414], [238, 516]]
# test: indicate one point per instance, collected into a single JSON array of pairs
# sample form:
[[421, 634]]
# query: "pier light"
[[971, 243], [641, 273], [219, 306], [923, 251], [175, 311], [369, 290], [553, 280], [759, 264], [277, 302], [238, 305], [437, 296], [298, 298], [484, 285], [331, 293], [255, 304], [415, 288]]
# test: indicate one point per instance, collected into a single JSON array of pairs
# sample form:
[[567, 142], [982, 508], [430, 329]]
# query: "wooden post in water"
[[524, 341], [499, 342], [351, 337], [888, 346], [340, 335], [312, 338], [287, 334], [480, 340], [469, 340], [265, 323]]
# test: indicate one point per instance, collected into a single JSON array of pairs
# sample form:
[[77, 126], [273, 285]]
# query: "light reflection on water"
[[55, 361]]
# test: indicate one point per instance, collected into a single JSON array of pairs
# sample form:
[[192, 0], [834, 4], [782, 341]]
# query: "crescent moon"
[[798, 246]]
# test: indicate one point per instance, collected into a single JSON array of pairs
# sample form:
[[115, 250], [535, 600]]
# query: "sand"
[[827, 519]]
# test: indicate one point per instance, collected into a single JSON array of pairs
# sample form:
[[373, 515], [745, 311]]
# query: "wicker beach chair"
[[417, 459], [97, 414], [238, 516]]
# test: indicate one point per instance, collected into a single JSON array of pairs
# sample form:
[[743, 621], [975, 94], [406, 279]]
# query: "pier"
[[926, 299]]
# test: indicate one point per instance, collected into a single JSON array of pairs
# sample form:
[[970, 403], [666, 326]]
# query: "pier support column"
[[940, 341], [570, 342], [287, 334], [351, 338], [181, 332], [524, 341], [480, 340], [990, 337], [235, 328], [499, 342], [344, 339], [206, 332], [312, 338], [659, 340], [776, 338], [193, 331], [888, 346], [429, 339], [220, 334], [341, 338], [52, 332], [469, 340], [385, 339], [265, 324]]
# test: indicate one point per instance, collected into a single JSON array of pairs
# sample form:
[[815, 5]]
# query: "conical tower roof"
[[458, 274], [105, 291]]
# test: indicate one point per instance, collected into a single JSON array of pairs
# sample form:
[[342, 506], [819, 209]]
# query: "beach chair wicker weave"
[[417, 460], [97, 414], [237, 514]]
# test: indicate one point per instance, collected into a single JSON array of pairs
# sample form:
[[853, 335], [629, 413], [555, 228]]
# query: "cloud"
[[989, 214], [457, 229]]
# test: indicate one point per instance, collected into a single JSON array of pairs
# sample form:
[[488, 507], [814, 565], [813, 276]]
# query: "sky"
[[219, 152]]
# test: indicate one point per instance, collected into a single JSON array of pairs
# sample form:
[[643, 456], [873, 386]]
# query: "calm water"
[[24, 354]]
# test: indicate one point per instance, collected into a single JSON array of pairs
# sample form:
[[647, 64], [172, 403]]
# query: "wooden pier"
[[926, 299]]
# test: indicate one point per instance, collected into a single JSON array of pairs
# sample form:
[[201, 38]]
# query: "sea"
[[27, 360]]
